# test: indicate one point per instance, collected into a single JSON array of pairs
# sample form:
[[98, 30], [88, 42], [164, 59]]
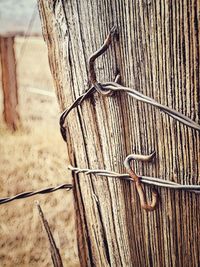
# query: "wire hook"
[[94, 56], [136, 178]]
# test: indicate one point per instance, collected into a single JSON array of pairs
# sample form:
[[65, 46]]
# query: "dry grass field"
[[32, 158]]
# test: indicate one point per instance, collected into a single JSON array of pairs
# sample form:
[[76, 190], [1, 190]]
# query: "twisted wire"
[[38, 192], [148, 100], [107, 89], [115, 87], [144, 179]]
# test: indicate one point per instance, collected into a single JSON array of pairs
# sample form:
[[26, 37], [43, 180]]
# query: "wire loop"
[[108, 88]]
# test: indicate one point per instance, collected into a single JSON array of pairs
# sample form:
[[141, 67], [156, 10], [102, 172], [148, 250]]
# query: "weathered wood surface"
[[157, 54], [9, 82]]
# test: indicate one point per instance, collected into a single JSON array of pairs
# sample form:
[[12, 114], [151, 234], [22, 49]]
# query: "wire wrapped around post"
[[148, 180], [106, 89]]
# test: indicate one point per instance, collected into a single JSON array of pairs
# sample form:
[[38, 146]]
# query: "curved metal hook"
[[136, 178], [95, 84], [94, 56]]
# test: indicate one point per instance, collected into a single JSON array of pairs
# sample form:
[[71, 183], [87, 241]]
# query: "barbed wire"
[[38, 192], [144, 179]]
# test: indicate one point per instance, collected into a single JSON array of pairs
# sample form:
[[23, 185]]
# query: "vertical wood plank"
[[159, 56]]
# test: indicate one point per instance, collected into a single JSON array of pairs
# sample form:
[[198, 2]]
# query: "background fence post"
[[9, 82]]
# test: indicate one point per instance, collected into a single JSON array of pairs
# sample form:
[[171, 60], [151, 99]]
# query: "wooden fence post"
[[158, 55], [9, 82]]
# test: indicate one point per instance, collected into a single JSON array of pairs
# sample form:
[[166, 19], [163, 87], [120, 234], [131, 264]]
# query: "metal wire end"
[[94, 56], [146, 206]]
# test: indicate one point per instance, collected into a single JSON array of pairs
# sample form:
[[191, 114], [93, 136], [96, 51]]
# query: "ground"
[[32, 158]]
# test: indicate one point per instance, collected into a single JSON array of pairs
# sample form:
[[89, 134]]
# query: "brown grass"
[[33, 158]]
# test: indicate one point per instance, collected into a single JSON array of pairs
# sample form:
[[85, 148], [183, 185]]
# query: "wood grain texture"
[[157, 54]]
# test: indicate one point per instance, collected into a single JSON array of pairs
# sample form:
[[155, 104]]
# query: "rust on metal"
[[94, 56], [143, 201]]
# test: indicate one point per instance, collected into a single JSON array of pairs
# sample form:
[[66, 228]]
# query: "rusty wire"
[[137, 181], [38, 192]]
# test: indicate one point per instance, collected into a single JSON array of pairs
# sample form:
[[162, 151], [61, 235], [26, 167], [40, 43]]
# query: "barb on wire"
[[144, 179], [38, 192]]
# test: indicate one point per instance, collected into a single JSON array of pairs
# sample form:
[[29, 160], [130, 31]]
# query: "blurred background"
[[32, 152]]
